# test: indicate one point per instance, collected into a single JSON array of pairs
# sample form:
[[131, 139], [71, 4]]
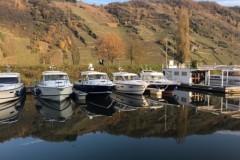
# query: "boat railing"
[[60, 83]]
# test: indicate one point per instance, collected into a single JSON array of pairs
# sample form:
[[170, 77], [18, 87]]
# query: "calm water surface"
[[186, 125]]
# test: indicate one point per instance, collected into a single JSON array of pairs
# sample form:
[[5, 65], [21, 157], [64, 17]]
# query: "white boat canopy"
[[11, 74], [221, 67], [92, 73], [150, 73], [53, 73], [124, 74]]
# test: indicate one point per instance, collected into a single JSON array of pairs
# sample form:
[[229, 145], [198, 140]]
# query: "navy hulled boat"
[[92, 82]]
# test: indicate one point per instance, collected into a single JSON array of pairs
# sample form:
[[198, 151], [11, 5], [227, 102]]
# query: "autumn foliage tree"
[[183, 42], [135, 50], [110, 47]]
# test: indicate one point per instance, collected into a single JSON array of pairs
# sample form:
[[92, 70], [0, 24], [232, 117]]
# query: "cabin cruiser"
[[93, 82], [129, 83], [157, 80], [55, 110], [55, 85], [11, 88]]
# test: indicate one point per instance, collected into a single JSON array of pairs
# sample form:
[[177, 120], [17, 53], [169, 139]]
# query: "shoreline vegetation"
[[31, 75]]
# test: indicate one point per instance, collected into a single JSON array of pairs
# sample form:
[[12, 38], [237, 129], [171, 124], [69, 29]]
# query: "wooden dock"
[[29, 89], [226, 90]]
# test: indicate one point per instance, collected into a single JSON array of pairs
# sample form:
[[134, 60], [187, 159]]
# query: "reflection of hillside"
[[176, 122]]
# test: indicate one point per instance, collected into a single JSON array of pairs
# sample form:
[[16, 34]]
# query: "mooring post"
[[222, 78]]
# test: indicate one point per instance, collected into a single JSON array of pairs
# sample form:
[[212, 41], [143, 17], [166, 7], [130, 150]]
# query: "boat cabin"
[[54, 75], [125, 76], [9, 78], [93, 75], [187, 76], [148, 75]]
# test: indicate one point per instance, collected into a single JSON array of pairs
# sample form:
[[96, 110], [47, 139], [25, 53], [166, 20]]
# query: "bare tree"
[[135, 50]]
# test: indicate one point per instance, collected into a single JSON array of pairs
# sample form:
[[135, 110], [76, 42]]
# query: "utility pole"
[[166, 55]]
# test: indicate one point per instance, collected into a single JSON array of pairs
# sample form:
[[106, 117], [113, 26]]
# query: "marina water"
[[185, 125]]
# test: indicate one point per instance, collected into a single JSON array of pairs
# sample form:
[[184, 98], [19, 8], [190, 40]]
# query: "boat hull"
[[130, 88], [94, 89], [11, 93], [167, 88], [53, 93]]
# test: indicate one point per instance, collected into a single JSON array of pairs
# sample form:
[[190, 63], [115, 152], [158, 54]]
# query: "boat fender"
[[18, 93], [37, 91]]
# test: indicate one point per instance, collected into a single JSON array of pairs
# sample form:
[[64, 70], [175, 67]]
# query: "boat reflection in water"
[[127, 102], [99, 105], [11, 110], [55, 110], [211, 102]]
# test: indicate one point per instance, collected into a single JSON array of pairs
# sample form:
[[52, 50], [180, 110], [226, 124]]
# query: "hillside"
[[44, 31]]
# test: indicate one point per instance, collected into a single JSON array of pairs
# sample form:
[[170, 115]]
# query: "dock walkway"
[[227, 90]]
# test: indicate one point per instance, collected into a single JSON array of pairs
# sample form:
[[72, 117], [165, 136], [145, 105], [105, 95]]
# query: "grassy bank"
[[30, 75]]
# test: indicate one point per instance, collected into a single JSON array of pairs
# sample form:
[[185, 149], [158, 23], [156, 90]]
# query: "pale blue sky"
[[222, 2]]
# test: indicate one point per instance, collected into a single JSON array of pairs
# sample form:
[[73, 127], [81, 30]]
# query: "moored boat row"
[[55, 85]]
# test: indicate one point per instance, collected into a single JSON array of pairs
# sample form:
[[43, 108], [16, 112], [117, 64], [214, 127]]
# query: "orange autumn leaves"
[[111, 47]]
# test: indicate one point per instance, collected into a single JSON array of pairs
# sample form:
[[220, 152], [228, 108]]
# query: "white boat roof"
[[124, 74], [150, 72], [93, 73], [221, 67], [53, 73], [9, 74]]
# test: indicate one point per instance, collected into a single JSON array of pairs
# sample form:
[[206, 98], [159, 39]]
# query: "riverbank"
[[30, 75]]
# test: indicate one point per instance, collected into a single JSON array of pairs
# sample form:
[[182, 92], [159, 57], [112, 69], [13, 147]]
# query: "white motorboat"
[[129, 83], [55, 85], [11, 87], [92, 82], [157, 80]]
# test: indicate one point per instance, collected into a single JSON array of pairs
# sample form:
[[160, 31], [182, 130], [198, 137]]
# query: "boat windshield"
[[9, 80], [131, 77], [55, 77], [97, 76], [153, 77]]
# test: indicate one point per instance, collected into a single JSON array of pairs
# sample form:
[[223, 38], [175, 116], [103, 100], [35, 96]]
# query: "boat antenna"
[[52, 67], [90, 67], [8, 68], [120, 69]]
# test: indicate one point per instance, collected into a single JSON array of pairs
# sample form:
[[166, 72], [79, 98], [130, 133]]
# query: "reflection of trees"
[[181, 124], [143, 122]]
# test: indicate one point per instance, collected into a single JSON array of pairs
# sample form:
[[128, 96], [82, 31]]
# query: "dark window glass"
[[9, 80]]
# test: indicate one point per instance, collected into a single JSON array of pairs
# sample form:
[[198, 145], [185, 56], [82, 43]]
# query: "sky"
[[221, 2]]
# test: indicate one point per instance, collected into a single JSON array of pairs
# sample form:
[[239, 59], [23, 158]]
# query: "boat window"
[[55, 77], [176, 73], [83, 78], [131, 77], [184, 73], [9, 80], [97, 76], [119, 78], [158, 77]]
